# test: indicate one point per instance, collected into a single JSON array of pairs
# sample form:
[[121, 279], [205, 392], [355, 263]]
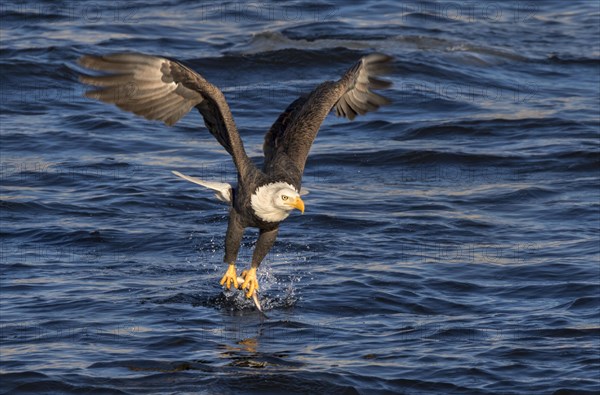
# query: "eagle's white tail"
[[223, 190]]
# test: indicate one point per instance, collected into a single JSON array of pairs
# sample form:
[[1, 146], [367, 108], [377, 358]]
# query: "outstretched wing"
[[165, 90], [296, 128]]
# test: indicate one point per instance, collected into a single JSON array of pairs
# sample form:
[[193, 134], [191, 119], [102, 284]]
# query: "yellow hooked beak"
[[298, 204]]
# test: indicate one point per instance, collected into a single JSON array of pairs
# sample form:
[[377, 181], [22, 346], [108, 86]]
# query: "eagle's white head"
[[274, 202]]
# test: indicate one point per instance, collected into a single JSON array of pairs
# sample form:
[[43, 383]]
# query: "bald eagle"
[[164, 89]]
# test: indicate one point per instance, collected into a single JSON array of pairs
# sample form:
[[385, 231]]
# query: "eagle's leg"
[[233, 239], [266, 239]]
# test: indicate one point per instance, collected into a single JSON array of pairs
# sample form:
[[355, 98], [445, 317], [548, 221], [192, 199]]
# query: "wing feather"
[[296, 128], [163, 89]]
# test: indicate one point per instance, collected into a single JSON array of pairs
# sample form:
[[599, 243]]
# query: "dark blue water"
[[450, 243]]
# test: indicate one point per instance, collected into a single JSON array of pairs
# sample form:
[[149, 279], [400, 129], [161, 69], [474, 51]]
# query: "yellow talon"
[[229, 277], [250, 281]]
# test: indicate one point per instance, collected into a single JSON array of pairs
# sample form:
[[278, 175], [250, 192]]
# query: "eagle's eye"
[[284, 198]]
